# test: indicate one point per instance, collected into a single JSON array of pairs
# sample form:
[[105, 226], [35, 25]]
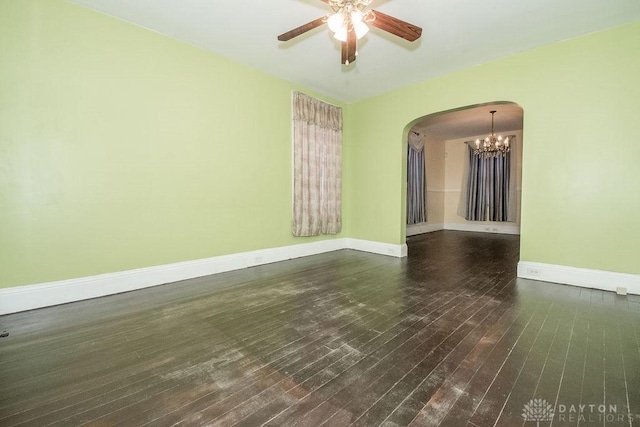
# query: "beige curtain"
[[317, 167]]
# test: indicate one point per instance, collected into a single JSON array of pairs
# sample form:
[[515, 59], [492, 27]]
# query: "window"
[[488, 192], [317, 167]]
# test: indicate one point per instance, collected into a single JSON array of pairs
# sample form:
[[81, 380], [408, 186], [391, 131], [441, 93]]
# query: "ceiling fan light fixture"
[[336, 22], [341, 34], [356, 16], [350, 20], [360, 28], [341, 23]]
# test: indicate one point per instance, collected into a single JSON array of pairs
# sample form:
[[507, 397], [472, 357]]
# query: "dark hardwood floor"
[[446, 337]]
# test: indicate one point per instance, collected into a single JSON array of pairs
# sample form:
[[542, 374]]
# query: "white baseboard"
[[498, 228], [399, 251], [29, 297], [413, 229], [584, 277]]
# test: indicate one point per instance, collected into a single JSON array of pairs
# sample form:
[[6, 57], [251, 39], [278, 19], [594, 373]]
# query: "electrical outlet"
[[533, 272], [620, 290]]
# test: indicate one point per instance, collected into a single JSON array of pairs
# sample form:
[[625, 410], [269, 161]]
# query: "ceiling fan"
[[349, 22]]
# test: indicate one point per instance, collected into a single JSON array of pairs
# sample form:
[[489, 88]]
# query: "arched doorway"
[[444, 136]]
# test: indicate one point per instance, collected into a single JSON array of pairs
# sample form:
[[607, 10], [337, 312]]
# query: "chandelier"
[[493, 145], [349, 14]]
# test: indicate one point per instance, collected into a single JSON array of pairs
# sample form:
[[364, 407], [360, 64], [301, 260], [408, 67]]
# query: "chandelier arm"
[[492, 145]]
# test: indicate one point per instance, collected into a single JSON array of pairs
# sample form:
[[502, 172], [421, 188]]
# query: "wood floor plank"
[[489, 372], [630, 340], [447, 336], [368, 364], [254, 390], [454, 384], [155, 347], [407, 404], [409, 377]]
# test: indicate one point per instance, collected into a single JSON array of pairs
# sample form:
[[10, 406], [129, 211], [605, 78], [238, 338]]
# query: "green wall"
[[581, 165], [121, 148]]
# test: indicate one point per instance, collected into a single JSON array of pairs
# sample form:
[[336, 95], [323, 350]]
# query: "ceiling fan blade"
[[302, 29], [349, 48], [393, 25]]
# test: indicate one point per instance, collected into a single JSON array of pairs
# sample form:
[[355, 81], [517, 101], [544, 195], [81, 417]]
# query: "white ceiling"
[[472, 121], [456, 34]]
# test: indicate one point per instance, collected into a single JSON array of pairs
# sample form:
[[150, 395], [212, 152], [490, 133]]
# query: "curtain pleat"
[[488, 189], [416, 206], [317, 167], [512, 190]]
